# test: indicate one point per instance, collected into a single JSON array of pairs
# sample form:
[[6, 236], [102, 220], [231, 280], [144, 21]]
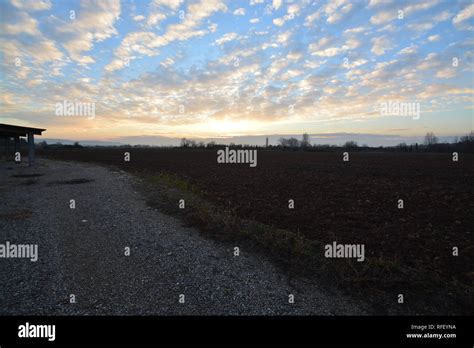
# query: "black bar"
[[224, 330]]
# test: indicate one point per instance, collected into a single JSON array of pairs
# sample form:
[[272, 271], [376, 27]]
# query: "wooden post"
[[31, 149], [5, 150], [17, 147]]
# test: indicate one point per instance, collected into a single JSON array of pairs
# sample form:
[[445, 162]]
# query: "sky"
[[219, 69]]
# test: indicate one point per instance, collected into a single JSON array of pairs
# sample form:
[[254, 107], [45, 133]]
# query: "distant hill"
[[82, 142], [373, 140]]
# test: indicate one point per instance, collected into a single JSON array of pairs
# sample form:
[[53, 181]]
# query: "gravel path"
[[82, 252]]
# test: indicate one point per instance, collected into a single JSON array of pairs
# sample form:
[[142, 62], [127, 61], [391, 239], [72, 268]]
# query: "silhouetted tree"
[[305, 141], [350, 144], [430, 139], [467, 138], [188, 143], [290, 142], [293, 142], [283, 142], [403, 147]]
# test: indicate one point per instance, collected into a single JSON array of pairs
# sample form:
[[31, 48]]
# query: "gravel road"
[[81, 251]]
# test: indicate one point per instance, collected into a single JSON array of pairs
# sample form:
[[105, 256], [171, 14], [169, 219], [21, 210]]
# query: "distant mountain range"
[[82, 142], [321, 138]]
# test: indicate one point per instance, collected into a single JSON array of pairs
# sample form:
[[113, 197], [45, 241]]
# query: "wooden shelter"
[[8, 131]]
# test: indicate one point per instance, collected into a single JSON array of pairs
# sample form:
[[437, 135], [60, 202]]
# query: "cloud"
[[140, 43], [284, 38], [419, 6], [155, 18], [375, 3], [443, 16], [23, 23], [380, 45], [446, 73], [328, 52], [292, 11], [213, 27], [431, 23], [276, 4], [167, 62], [226, 38], [337, 16], [322, 42], [325, 47], [291, 73], [172, 4], [295, 56], [383, 17], [412, 49], [22, 72], [431, 61], [351, 44], [356, 30], [277, 67], [204, 8], [279, 21], [311, 18], [147, 43], [45, 51], [95, 24], [332, 6], [240, 12], [392, 13], [355, 63], [463, 15], [158, 10], [41, 52], [32, 5]]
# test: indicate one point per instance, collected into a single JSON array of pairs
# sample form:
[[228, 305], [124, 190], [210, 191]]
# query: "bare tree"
[[305, 140], [42, 144], [467, 138], [283, 142], [350, 144], [293, 142], [188, 143], [290, 142], [430, 139], [403, 146]]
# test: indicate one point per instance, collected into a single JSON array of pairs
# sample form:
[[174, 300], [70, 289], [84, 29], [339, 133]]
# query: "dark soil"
[[408, 250]]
